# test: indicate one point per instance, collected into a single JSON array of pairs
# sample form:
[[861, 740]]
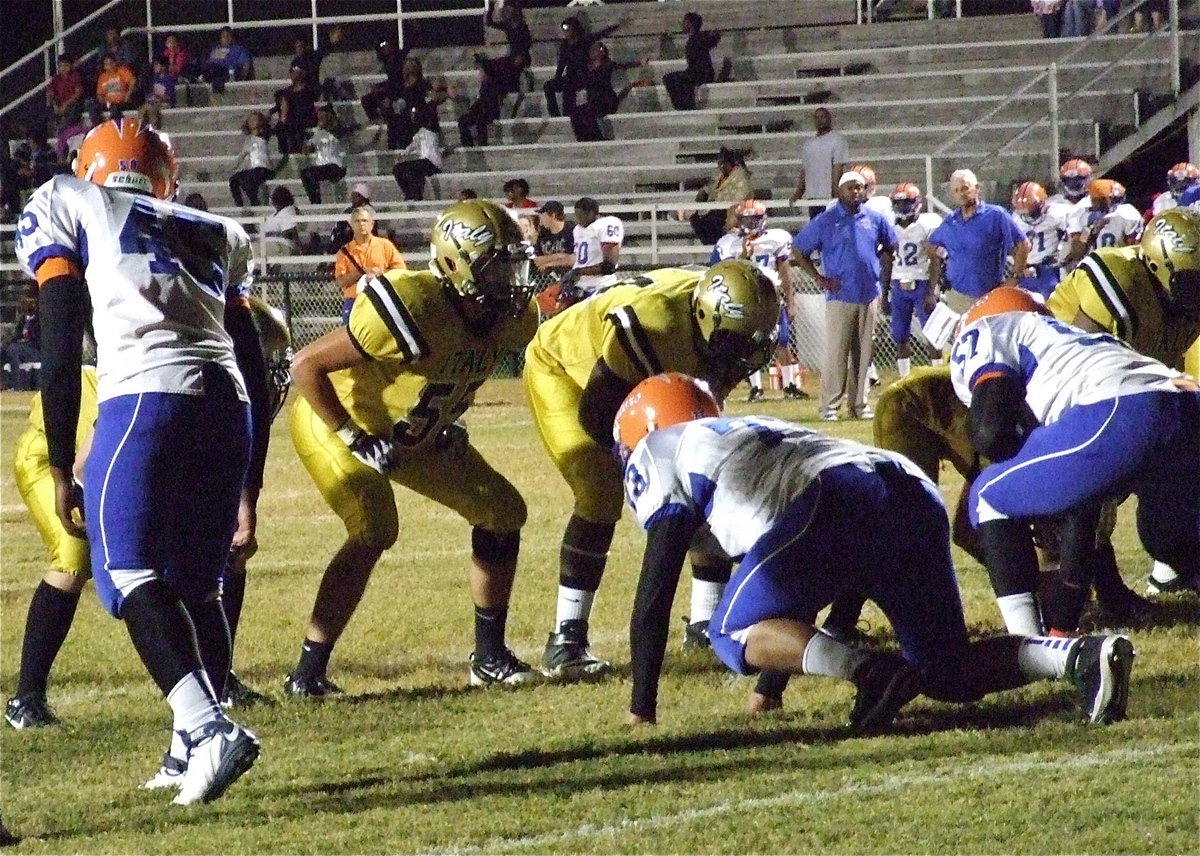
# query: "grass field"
[[411, 760]]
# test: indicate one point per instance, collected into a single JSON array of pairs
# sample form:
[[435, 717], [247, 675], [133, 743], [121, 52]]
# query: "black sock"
[[844, 612], [162, 633], [314, 660], [50, 615], [489, 631], [212, 640], [772, 684], [233, 593]]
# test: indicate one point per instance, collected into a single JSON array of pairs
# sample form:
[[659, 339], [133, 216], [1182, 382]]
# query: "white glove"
[[377, 453]]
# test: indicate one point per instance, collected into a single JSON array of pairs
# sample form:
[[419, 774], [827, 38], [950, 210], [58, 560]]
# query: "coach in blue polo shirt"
[[969, 250], [856, 247]]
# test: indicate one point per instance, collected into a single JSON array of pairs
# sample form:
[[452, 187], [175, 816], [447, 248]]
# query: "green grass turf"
[[410, 760]]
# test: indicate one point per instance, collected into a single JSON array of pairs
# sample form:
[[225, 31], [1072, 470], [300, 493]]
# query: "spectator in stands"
[[497, 78], [364, 254], [24, 348], [227, 61], [822, 156], [253, 167], [297, 112], [280, 227], [602, 99], [123, 47], [34, 162], [391, 61], [70, 137], [731, 184], [682, 85], [177, 58], [329, 155], [160, 93], [572, 66], [1104, 12], [516, 191], [465, 193], [336, 85], [1158, 13], [857, 246], [554, 249], [968, 251], [64, 95], [510, 19], [420, 159], [417, 92], [1049, 13], [308, 59], [197, 201], [1074, 21], [114, 87]]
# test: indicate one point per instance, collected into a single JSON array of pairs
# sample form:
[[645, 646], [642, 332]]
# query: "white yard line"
[[988, 768]]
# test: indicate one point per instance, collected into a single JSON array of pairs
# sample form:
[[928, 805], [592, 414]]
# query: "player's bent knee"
[[113, 587], [495, 548]]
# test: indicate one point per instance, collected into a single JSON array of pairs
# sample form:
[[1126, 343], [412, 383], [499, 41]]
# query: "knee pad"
[[495, 548]]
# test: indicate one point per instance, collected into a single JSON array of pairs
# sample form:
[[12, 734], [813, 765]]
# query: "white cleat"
[[218, 754]]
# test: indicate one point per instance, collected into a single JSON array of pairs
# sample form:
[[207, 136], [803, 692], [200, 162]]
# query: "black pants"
[[569, 89], [585, 122], [709, 226], [312, 176], [411, 175], [473, 124], [681, 88], [249, 182]]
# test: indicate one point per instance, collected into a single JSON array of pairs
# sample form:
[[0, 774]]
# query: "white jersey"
[[1061, 207], [910, 262], [1117, 228], [766, 250], [589, 241], [1163, 202], [327, 149], [157, 274], [1045, 235], [1059, 365], [737, 474]]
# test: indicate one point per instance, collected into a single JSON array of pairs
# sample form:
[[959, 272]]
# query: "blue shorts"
[[162, 485], [1148, 443], [903, 304], [1044, 282], [884, 534], [347, 305], [784, 328]]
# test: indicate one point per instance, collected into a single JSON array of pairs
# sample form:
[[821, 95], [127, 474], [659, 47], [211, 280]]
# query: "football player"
[[52, 609], [720, 326], [1070, 419], [908, 290], [1046, 230], [1074, 176], [175, 466], [380, 403], [597, 249], [812, 517], [770, 250], [1180, 178]]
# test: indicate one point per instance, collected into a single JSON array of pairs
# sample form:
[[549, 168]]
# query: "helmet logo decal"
[[726, 305], [458, 231], [1172, 238]]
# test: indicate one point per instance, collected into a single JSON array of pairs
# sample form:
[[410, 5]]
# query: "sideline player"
[[597, 249], [381, 398], [579, 367], [771, 251], [810, 517], [173, 474], [1045, 230], [908, 290], [1180, 178], [1071, 419]]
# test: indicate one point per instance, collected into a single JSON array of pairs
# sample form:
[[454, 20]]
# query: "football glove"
[[453, 440], [377, 453]]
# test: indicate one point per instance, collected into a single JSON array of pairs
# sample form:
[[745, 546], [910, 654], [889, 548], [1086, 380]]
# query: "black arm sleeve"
[[600, 402], [247, 347], [63, 307], [999, 418], [662, 563]]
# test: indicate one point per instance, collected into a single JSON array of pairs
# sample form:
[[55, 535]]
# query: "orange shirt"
[[376, 253], [114, 87]]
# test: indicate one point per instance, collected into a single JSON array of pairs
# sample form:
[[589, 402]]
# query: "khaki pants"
[[849, 346]]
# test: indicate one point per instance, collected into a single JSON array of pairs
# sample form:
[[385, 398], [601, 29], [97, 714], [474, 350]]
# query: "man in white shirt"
[[823, 158], [597, 247]]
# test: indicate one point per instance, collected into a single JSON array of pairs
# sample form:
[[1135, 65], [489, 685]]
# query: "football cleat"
[[29, 711], [695, 635], [792, 391], [567, 655], [219, 753], [169, 775], [504, 669], [1164, 580], [237, 694], [309, 687], [829, 416], [1099, 666], [755, 394], [886, 682]]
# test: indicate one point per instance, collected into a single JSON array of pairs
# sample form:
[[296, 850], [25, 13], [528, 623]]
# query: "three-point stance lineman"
[[809, 517], [166, 485]]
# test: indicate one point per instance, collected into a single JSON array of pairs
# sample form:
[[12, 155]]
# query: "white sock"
[[705, 597], [937, 361], [787, 374], [192, 702], [872, 372], [1020, 613], [825, 655], [1162, 572], [178, 748], [756, 381], [573, 604], [903, 365], [1044, 656]]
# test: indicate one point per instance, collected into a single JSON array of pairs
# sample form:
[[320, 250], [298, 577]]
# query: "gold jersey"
[[1113, 287], [640, 328], [921, 417], [424, 358]]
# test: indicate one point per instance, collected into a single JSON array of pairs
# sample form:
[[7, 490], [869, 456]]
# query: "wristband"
[[348, 432]]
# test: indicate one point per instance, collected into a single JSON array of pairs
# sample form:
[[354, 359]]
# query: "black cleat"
[[237, 694], [1100, 666], [695, 635], [567, 655], [506, 670], [886, 682], [29, 711], [309, 687]]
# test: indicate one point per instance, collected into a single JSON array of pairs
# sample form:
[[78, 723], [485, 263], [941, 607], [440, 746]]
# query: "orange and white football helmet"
[[660, 402], [127, 154], [1029, 201], [751, 217], [1106, 193], [868, 175], [906, 202], [1075, 175], [1002, 299], [1182, 176]]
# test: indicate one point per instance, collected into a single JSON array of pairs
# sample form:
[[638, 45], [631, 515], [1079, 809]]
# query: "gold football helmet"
[[477, 249], [735, 309], [1171, 250], [277, 348]]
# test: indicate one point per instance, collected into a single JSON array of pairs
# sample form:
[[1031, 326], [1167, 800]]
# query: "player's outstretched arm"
[[313, 365]]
